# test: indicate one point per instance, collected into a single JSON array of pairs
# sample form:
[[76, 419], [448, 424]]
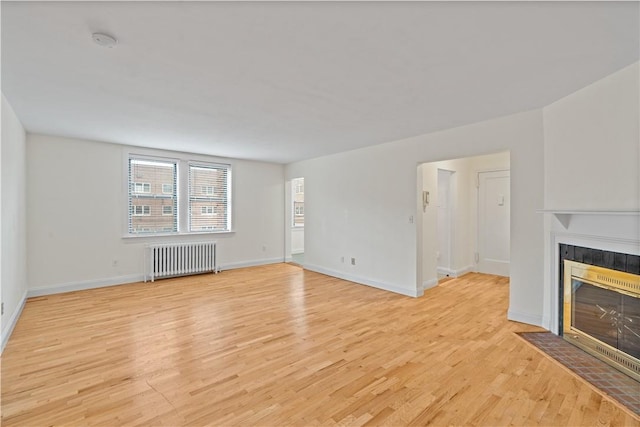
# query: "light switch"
[[500, 199]]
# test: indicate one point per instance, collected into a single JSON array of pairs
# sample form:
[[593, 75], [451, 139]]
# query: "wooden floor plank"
[[277, 345]]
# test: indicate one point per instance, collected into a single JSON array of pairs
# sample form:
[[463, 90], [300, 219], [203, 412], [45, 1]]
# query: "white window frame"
[[170, 188], [299, 210], [207, 211], [142, 213], [181, 208], [213, 192], [143, 185], [167, 206]]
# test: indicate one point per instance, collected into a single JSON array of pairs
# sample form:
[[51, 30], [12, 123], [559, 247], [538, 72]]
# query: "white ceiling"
[[283, 82]]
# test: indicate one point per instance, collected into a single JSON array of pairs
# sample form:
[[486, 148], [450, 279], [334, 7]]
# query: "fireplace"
[[601, 314]]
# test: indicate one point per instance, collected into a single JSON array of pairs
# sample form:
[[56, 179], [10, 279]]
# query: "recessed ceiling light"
[[104, 40]]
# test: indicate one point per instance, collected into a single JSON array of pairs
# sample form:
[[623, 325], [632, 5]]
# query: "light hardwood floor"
[[276, 345]]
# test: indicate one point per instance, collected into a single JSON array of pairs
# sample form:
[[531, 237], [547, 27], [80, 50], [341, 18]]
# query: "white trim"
[[528, 318], [84, 285], [251, 263], [445, 271], [614, 244], [297, 252], [590, 211], [363, 281], [288, 259], [455, 273], [8, 330], [429, 284], [175, 234]]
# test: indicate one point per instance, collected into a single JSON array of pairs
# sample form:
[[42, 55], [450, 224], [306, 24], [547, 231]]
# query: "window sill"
[[178, 235]]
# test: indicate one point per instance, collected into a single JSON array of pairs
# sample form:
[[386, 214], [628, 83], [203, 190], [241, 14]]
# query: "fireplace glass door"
[[602, 314], [611, 317]]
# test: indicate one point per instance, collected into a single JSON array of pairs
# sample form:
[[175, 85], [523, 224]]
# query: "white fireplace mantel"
[[564, 215], [606, 229]]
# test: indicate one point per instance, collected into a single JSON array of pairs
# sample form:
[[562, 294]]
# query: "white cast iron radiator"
[[179, 259]]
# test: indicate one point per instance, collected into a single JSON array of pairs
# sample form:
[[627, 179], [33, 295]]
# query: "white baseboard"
[[528, 318], [8, 330], [84, 285], [121, 280], [429, 284], [288, 259], [363, 281], [297, 252], [455, 273], [252, 263]]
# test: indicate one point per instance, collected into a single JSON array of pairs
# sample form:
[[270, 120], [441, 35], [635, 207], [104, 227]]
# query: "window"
[[298, 202], [209, 197], [141, 187], [208, 210], [152, 212], [140, 210], [177, 196]]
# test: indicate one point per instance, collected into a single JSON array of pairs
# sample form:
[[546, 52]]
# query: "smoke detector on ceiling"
[[104, 40]]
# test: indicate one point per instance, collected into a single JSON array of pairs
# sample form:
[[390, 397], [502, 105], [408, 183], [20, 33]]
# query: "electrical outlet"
[[1, 309], [342, 259], [353, 261], [264, 248]]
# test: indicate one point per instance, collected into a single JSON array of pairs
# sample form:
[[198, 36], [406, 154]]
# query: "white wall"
[[14, 227], [77, 206], [465, 201], [592, 145], [360, 204], [592, 162]]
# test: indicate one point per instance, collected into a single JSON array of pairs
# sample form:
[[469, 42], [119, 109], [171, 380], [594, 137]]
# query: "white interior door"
[[494, 219]]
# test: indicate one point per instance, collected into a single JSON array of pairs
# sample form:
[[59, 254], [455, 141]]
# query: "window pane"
[[152, 196], [209, 197], [298, 202]]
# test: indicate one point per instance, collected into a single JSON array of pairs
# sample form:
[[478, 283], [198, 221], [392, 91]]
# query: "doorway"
[[494, 219], [297, 221], [445, 226], [460, 231]]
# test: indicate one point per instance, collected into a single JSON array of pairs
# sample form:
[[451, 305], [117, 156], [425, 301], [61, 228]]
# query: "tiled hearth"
[[608, 380]]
